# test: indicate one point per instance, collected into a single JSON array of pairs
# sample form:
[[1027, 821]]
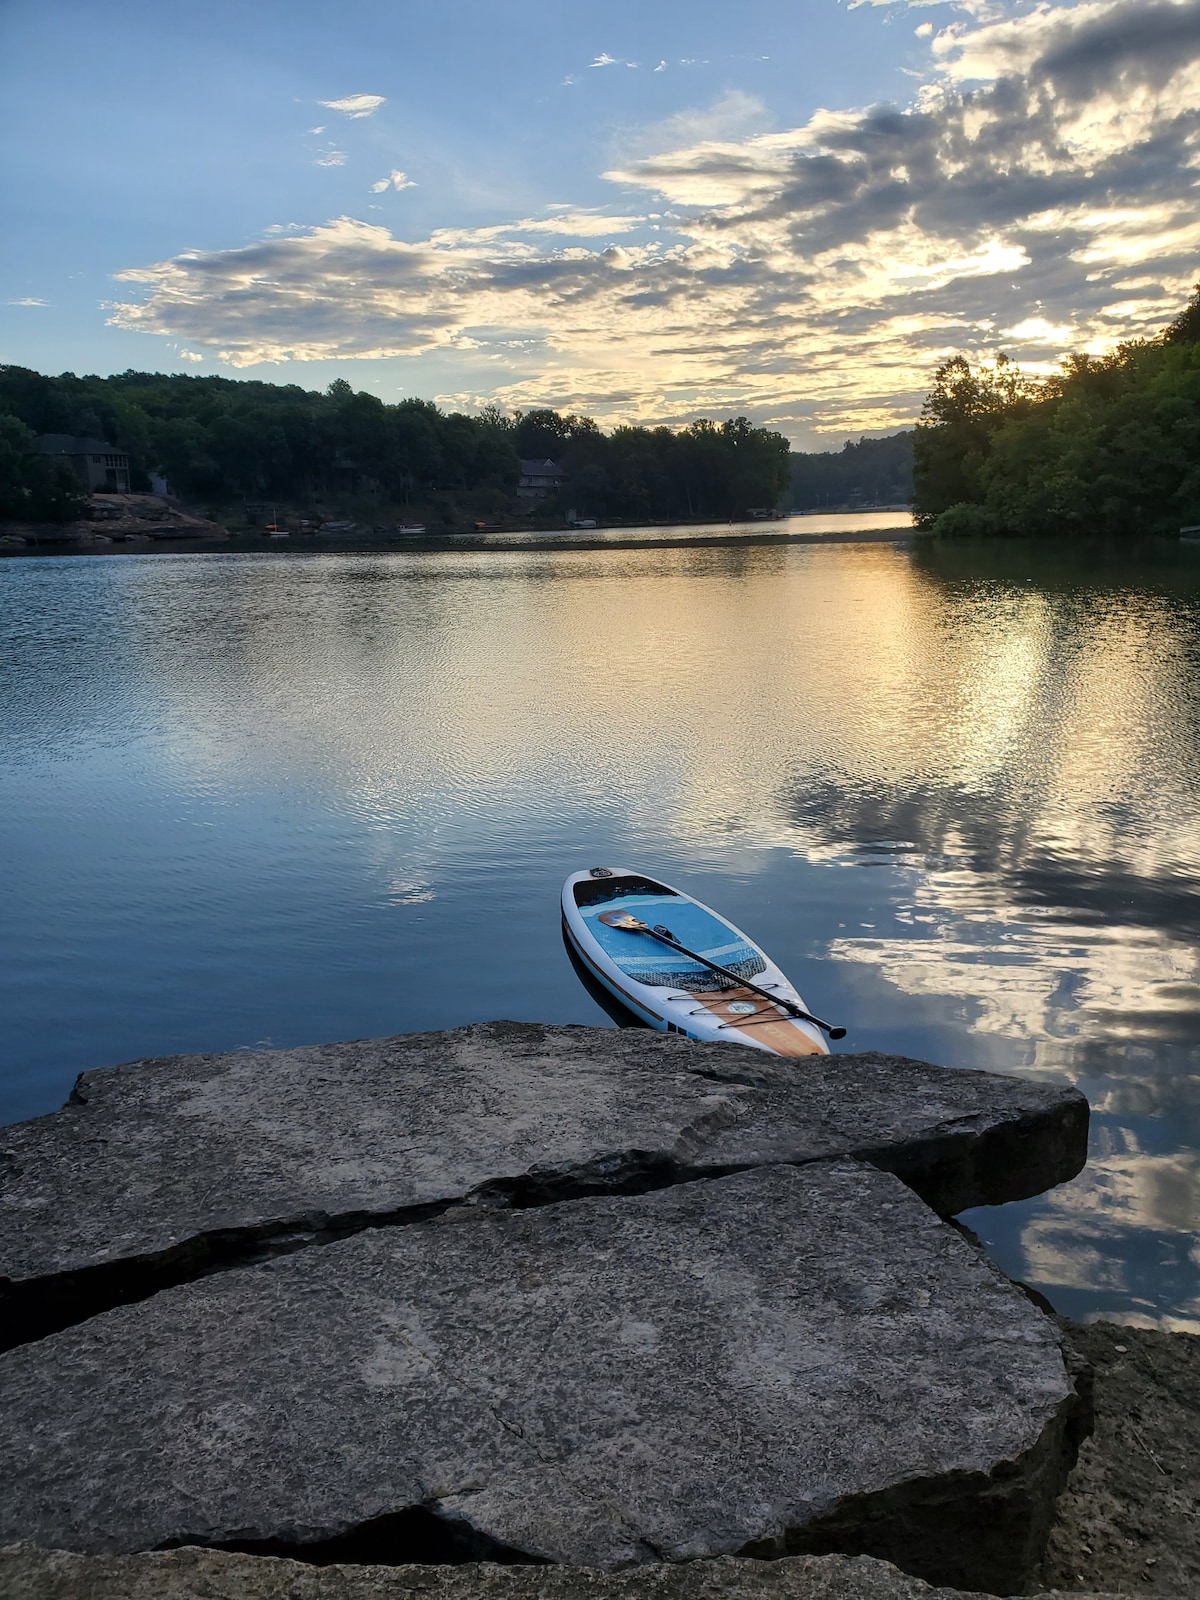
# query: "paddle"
[[628, 923]]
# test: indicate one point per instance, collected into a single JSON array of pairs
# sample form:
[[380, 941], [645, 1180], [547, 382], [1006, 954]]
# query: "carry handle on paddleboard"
[[628, 923]]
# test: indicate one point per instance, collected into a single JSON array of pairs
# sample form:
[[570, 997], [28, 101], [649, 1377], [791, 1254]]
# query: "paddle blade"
[[622, 919]]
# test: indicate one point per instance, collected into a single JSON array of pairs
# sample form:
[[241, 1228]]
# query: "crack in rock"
[[418, 1535], [164, 1172]]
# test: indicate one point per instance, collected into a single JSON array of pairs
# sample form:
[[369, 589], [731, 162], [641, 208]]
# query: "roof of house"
[[542, 469], [66, 444]]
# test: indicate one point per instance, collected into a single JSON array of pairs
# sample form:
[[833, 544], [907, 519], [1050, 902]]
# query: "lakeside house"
[[539, 479], [99, 465]]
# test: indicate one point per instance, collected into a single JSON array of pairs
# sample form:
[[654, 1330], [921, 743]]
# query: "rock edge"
[[161, 1171]]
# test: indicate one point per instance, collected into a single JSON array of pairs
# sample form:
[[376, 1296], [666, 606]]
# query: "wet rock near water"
[[27, 1573], [160, 1171], [795, 1359]]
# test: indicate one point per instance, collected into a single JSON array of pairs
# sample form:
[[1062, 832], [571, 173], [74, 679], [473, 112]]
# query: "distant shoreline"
[[252, 544]]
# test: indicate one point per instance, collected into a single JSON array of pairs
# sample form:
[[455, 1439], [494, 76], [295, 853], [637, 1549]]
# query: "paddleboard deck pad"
[[667, 989]]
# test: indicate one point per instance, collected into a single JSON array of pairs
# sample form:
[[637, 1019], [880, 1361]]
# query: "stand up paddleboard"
[[681, 968]]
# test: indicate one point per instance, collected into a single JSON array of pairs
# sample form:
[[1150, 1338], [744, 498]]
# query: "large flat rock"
[[795, 1359], [27, 1573], [161, 1170]]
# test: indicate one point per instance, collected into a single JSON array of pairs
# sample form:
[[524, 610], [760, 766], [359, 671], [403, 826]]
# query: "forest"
[[874, 472], [1110, 445], [221, 441]]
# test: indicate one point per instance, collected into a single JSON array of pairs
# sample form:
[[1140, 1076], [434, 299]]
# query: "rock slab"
[[159, 1171], [793, 1359], [27, 1573]]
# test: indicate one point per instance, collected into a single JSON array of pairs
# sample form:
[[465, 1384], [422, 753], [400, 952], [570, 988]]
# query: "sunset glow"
[[644, 233]]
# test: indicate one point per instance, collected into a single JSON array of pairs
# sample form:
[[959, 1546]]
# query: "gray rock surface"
[[1127, 1518], [161, 1170], [27, 1573], [788, 1360]]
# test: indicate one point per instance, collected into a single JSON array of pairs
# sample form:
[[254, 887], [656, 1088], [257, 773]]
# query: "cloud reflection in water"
[[1041, 823]]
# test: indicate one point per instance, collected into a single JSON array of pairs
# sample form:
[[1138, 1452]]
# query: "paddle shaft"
[[787, 1005]]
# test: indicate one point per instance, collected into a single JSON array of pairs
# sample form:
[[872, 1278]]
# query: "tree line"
[[222, 440], [1111, 445], [706, 471], [866, 472]]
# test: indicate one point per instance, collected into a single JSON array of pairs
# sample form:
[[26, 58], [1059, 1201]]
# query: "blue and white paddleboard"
[[668, 990]]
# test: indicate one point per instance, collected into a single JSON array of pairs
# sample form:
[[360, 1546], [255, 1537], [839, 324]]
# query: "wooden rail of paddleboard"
[[771, 1026]]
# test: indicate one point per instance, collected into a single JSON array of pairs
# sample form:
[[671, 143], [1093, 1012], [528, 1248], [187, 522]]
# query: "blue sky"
[[648, 212]]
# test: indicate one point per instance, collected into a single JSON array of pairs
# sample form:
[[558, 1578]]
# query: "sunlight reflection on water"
[[290, 797]]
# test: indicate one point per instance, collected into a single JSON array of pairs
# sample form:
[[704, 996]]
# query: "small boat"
[[411, 528], [680, 967]]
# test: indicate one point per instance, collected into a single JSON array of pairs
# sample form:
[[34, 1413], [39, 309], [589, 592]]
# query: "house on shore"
[[99, 466], [539, 479]]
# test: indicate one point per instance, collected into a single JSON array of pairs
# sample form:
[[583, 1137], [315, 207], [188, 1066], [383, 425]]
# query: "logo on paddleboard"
[[743, 1008]]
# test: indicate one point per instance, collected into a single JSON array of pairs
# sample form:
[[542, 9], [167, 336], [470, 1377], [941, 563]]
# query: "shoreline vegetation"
[[184, 534], [1109, 446], [249, 455], [246, 450]]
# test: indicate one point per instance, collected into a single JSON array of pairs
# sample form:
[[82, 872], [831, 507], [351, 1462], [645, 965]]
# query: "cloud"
[[394, 180], [1039, 191], [1099, 44], [355, 105], [29, 300], [730, 117], [330, 158], [191, 355], [1036, 330], [605, 60]]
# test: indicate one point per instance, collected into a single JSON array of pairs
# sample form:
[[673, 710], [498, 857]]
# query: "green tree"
[[953, 439], [225, 438], [541, 435], [1109, 445], [32, 486], [866, 470]]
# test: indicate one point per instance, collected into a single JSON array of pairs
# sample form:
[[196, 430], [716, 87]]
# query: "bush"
[[966, 521]]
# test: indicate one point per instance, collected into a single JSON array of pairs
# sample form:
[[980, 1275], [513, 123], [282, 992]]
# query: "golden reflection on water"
[[823, 699]]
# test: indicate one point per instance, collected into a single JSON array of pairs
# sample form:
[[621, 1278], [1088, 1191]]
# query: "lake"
[[282, 797]]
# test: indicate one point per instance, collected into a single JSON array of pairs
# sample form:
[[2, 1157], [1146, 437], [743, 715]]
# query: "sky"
[[791, 210]]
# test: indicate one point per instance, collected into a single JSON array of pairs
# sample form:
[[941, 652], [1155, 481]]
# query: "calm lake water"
[[287, 797]]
